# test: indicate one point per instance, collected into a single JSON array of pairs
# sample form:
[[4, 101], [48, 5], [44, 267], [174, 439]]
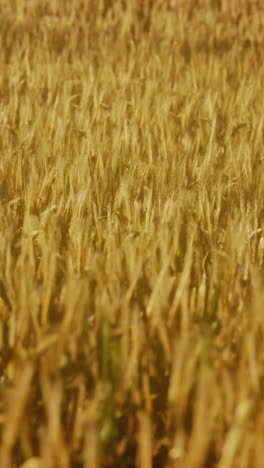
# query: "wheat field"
[[131, 234]]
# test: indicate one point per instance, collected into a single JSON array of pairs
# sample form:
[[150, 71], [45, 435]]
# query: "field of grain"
[[131, 234]]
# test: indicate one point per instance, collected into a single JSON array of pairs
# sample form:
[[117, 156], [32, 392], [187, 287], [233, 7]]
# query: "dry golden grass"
[[131, 234]]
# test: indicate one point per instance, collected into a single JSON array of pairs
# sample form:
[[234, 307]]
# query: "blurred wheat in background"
[[131, 234]]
